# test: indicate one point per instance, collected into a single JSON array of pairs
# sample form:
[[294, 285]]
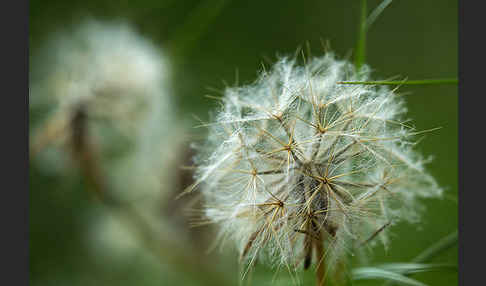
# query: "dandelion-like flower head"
[[296, 164], [104, 83], [105, 67]]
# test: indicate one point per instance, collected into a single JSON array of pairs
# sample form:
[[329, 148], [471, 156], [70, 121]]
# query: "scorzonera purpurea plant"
[[105, 75], [300, 170], [108, 98], [105, 68]]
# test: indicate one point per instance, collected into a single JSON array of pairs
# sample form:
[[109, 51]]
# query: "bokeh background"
[[414, 39]]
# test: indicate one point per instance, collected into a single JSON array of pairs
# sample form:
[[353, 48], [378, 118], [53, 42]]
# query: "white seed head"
[[296, 162], [118, 77], [121, 81], [107, 67]]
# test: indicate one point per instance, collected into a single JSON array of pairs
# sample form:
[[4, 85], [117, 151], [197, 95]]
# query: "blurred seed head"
[[119, 77], [119, 82], [296, 163]]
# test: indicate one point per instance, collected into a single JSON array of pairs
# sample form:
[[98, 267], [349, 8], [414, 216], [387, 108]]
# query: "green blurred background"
[[414, 39]]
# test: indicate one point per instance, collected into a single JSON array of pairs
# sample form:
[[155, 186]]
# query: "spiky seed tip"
[[296, 163]]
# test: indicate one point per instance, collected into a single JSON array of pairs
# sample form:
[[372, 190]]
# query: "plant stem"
[[436, 249], [431, 252], [195, 26], [321, 266], [360, 55], [378, 10], [167, 251], [405, 82]]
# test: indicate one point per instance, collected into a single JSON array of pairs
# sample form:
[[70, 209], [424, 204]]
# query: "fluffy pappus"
[[297, 166], [103, 92], [106, 69]]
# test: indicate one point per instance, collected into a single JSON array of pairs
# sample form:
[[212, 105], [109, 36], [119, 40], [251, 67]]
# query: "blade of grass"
[[377, 273], [436, 249], [360, 55], [364, 24], [405, 82], [195, 26], [433, 251], [376, 13], [409, 268]]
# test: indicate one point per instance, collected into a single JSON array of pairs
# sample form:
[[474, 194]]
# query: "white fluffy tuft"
[[296, 162]]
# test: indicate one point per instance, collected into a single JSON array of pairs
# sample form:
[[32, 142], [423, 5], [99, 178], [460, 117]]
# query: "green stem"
[[196, 25], [428, 254], [436, 249], [360, 55], [405, 82], [378, 10]]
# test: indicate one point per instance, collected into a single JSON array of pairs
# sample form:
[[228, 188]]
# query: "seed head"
[[108, 72], [296, 164], [106, 67], [106, 90]]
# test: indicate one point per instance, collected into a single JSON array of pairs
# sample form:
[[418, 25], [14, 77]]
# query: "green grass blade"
[[376, 13], [433, 251], [436, 249], [405, 82], [195, 26], [364, 24], [363, 273], [409, 268], [360, 55]]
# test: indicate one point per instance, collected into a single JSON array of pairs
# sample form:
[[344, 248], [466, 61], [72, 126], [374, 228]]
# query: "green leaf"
[[433, 251], [363, 273], [408, 268], [436, 249]]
